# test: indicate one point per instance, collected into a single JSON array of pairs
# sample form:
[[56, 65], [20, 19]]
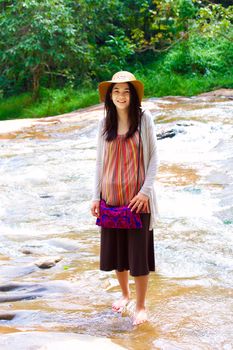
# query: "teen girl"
[[126, 250]]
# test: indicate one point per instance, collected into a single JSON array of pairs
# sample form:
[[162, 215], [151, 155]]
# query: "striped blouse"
[[120, 170]]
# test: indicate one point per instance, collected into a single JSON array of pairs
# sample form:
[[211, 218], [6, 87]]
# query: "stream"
[[52, 294]]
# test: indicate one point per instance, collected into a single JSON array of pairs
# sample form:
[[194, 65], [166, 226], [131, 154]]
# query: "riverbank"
[[52, 102], [9, 128]]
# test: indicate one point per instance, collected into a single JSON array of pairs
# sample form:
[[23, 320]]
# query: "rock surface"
[[47, 262], [55, 341], [9, 127]]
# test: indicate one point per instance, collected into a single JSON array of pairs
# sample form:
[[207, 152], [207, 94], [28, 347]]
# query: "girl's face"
[[121, 95]]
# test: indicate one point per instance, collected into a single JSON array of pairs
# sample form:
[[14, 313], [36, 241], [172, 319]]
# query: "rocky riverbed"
[[52, 293]]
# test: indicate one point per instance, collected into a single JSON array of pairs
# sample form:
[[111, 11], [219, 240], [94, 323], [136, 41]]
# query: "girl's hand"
[[139, 202], [95, 208]]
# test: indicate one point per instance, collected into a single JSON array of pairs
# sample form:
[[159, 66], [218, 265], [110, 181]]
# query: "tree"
[[54, 42], [215, 20], [35, 37], [160, 24], [104, 24]]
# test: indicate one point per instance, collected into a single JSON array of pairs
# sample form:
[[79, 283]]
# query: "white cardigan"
[[149, 143]]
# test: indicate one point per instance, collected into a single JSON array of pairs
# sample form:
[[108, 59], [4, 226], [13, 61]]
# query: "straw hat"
[[121, 77]]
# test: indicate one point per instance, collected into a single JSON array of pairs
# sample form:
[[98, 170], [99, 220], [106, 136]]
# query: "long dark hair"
[[134, 115]]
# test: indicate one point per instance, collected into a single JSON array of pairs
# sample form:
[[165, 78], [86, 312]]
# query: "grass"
[[13, 107], [183, 85], [54, 102], [51, 102]]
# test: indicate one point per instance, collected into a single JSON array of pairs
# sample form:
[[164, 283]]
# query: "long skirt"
[[128, 249]]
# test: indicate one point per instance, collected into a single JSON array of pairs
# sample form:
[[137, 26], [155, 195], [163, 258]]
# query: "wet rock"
[[57, 215], [220, 92], [26, 251], [10, 272], [184, 124], [21, 286], [45, 196], [6, 317], [28, 291], [20, 291], [170, 133], [9, 287], [177, 129], [16, 297], [55, 341], [47, 262]]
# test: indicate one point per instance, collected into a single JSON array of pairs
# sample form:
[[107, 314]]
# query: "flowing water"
[[46, 175]]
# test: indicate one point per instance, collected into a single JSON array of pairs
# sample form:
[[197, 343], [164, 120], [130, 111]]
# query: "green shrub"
[[51, 102], [200, 55], [13, 107]]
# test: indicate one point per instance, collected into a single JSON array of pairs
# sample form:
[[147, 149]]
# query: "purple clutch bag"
[[117, 217]]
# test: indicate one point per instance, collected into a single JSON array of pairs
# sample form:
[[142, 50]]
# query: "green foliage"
[[57, 43], [14, 106], [215, 20], [35, 37], [200, 55], [108, 46], [118, 49], [186, 9], [159, 83], [167, 21], [51, 102], [55, 102]]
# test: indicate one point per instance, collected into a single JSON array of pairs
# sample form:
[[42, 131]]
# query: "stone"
[[47, 262], [55, 341]]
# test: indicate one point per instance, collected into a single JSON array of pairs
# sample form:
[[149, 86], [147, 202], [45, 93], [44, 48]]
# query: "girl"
[[126, 250]]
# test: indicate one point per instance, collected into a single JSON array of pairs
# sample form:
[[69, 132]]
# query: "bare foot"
[[119, 305], [140, 316]]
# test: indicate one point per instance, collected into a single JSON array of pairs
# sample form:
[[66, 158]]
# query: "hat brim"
[[104, 85]]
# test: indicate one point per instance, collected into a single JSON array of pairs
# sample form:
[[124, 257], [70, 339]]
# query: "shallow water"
[[46, 174]]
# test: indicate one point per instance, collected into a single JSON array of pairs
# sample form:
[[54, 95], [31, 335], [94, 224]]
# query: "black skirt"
[[128, 249]]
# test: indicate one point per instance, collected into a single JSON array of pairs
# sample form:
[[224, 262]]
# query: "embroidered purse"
[[120, 217], [117, 217]]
